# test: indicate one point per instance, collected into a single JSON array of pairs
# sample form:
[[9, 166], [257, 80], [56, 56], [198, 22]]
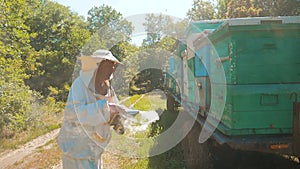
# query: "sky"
[[134, 10], [176, 8]]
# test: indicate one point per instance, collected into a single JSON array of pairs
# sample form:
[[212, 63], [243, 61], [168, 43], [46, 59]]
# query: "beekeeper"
[[85, 131]]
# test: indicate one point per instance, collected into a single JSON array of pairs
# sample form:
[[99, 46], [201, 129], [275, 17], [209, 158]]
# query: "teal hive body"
[[261, 62]]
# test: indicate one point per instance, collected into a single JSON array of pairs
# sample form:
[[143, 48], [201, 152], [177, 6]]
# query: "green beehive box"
[[261, 61], [200, 26], [196, 60]]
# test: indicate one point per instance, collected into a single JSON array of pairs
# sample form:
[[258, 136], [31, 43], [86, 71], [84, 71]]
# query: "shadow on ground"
[[172, 159], [220, 157], [251, 160]]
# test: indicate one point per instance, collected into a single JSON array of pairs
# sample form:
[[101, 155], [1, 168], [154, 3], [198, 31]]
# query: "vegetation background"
[[41, 40]]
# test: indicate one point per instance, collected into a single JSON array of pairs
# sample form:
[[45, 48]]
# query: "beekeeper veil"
[[84, 126], [89, 64]]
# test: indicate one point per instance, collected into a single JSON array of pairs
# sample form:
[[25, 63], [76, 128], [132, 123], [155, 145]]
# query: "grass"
[[151, 101], [131, 100], [172, 159], [45, 158]]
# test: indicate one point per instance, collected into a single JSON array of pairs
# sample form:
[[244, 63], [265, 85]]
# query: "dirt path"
[[10, 157], [58, 166], [28, 155]]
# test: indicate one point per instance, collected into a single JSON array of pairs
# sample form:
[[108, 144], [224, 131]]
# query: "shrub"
[[16, 99]]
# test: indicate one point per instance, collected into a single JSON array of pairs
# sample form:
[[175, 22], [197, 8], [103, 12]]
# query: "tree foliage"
[[259, 8], [99, 17], [180, 28], [59, 36], [280, 7], [108, 29], [38, 48], [222, 9], [16, 60], [159, 26], [201, 10], [123, 49], [160, 42], [247, 8]]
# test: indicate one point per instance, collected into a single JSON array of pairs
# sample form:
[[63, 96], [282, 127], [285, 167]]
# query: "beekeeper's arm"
[[92, 113], [114, 98]]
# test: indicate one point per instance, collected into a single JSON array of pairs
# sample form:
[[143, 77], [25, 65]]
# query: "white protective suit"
[[85, 132]]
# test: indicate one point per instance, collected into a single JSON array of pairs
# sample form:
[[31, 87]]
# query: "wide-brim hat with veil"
[[89, 63]]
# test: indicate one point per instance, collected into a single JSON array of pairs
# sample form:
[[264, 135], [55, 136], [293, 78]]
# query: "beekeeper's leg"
[[71, 163]]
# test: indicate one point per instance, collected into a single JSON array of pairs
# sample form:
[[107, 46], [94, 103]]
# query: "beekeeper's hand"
[[113, 111]]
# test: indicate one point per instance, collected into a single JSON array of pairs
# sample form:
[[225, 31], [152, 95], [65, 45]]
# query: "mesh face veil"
[[91, 63]]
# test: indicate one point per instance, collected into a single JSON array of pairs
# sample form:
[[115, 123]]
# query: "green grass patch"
[[136, 163], [131, 100], [172, 159], [151, 101], [143, 104]]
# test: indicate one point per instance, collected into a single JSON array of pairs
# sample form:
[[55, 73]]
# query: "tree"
[[99, 17], [112, 32], [222, 9], [59, 36], [246, 8], [180, 28], [16, 59], [253, 8], [123, 49], [128, 55], [162, 33], [108, 28], [15, 35], [158, 27], [280, 7], [201, 10]]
